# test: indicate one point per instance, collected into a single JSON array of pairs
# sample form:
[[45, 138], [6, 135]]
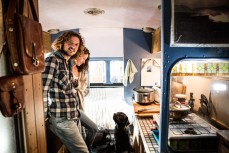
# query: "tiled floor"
[[102, 103]]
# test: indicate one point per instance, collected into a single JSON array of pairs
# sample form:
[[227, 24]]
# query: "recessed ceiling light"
[[53, 31], [148, 29], [94, 11]]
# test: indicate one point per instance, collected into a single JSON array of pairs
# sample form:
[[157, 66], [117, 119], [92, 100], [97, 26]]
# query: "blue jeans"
[[91, 128], [68, 133]]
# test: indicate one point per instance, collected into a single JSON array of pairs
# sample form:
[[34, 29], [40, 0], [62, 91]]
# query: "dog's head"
[[121, 119]]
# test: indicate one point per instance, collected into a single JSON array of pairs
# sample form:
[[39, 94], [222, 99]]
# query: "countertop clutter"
[[146, 110]]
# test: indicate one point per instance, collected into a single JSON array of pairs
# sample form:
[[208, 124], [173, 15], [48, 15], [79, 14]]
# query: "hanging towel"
[[129, 72]]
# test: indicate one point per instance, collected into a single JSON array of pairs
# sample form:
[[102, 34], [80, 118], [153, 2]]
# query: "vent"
[[53, 31], [94, 11]]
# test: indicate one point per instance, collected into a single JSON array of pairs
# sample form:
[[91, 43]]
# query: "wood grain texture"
[[137, 107], [156, 40], [35, 134], [46, 37], [39, 112], [2, 39], [29, 117]]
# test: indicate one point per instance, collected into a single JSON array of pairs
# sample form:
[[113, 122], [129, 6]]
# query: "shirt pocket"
[[63, 80]]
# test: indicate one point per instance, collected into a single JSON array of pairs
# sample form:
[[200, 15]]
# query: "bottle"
[[191, 102], [154, 125]]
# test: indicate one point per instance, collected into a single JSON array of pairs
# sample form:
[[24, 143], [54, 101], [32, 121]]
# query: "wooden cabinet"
[[156, 41], [46, 37]]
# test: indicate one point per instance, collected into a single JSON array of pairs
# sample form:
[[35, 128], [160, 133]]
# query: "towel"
[[129, 72]]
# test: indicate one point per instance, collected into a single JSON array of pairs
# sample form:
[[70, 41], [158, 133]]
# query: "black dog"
[[122, 133]]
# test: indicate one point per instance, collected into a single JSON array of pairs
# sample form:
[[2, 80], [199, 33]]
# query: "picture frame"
[[200, 23], [150, 72]]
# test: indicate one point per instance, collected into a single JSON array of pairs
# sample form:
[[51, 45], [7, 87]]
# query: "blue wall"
[[136, 46]]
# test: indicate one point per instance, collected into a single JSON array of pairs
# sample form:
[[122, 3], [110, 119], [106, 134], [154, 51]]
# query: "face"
[[81, 59], [71, 46]]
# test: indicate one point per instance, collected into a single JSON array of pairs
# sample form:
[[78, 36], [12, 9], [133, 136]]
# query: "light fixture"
[[159, 7], [53, 31], [219, 87], [94, 11], [148, 29]]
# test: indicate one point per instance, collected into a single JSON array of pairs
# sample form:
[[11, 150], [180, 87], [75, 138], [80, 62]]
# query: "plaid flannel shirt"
[[60, 98]]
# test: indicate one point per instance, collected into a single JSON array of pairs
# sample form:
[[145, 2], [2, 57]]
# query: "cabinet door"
[[156, 40]]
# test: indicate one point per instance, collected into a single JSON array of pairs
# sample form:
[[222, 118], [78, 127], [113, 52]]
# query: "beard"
[[64, 53], [67, 52]]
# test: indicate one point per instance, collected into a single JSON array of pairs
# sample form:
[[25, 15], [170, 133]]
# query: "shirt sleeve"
[[83, 81], [51, 65]]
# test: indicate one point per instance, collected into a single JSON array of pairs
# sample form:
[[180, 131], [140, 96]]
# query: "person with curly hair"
[[61, 103], [80, 71]]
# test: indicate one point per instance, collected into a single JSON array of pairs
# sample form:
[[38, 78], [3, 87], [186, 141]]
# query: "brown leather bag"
[[12, 95], [24, 39]]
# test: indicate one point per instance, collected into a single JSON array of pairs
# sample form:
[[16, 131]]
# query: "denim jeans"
[[68, 133], [91, 128]]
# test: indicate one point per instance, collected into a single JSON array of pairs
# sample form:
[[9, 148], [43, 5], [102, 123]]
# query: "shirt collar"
[[70, 61]]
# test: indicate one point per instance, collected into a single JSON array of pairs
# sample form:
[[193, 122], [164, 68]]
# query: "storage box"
[[156, 135]]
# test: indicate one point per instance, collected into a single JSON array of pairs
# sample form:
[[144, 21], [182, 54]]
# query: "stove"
[[191, 134], [190, 127]]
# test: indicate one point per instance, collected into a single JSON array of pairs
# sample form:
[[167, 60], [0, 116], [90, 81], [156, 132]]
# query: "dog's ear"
[[127, 122], [125, 119]]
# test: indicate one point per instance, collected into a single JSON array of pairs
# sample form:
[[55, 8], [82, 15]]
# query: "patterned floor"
[[102, 103]]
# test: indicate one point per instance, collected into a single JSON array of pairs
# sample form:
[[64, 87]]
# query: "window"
[[106, 71], [97, 72], [116, 71]]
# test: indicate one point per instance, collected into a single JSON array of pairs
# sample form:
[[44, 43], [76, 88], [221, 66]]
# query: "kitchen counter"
[[144, 142], [149, 109]]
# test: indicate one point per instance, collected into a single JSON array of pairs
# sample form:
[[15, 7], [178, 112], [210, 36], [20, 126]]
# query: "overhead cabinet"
[[156, 41]]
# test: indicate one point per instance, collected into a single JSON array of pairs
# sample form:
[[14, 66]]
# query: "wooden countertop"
[[137, 107]]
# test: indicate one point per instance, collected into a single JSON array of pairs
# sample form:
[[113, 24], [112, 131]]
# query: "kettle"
[[157, 94]]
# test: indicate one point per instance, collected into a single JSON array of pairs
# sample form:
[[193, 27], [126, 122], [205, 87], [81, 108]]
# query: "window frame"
[[107, 61]]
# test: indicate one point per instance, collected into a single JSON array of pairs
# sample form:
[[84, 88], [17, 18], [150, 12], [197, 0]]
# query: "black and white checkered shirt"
[[60, 98]]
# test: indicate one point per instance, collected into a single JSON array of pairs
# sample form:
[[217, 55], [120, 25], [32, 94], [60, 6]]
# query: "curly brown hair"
[[58, 44], [85, 66]]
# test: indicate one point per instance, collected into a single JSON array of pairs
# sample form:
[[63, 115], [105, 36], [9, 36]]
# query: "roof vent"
[[94, 11]]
